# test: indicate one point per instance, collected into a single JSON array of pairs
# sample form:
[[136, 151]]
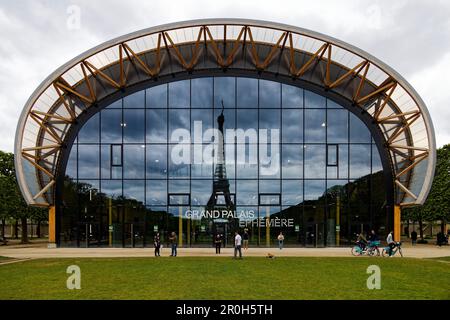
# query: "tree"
[[437, 205]]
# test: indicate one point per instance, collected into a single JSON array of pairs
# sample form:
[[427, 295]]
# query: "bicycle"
[[371, 249], [397, 248]]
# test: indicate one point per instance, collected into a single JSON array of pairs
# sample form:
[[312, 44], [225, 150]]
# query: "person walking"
[[237, 245], [218, 243], [413, 237], [245, 238], [157, 244], [173, 242], [280, 240], [391, 243]]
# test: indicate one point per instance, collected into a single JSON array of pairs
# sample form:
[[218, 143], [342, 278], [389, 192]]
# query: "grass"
[[224, 278]]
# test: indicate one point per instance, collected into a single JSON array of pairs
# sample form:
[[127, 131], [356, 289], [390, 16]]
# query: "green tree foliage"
[[12, 205], [437, 205]]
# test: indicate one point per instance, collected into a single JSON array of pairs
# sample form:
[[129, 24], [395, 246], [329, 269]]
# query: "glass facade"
[[302, 159]]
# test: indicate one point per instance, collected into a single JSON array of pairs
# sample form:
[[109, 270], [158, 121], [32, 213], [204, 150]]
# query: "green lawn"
[[224, 278]]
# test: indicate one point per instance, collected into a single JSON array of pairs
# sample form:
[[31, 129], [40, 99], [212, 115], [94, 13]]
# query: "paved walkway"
[[19, 252]]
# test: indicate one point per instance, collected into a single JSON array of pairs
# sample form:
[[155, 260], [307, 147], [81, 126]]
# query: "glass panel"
[[333, 105], [269, 119], [179, 94], [89, 133], [358, 130], [269, 199], [105, 161], [134, 126], [292, 192], [332, 155], [201, 120], [269, 94], [179, 160], [156, 125], [178, 199], [156, 192], [157, 96], [314, 189], [292, 97], [343, 161], [230, 119], [247, 160], [134, 190], [112, 188], [376, 160], [315, 161], [269, 161], [247, 93], [117, 155], [337, 126], [178, 119], [292, 129], [179, 186], [292, 156], [111, 126], [135, 100], [200, 168], [156, 160], [224, 89], [359, 160], [269, 186], [133, 161], [313, 100], [88, 161], [201, 191], [247, 192], [202, 93], [115, 105], [315, 126], [247, 119], [71, 169]]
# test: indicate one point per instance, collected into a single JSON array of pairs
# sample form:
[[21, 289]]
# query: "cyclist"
[[362, 241], [373, 236], [391, 243]]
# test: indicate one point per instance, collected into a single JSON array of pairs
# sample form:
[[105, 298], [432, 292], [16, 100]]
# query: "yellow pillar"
[[338, 220], [268, 226], [52, 227], [180, 226], [397, 222]]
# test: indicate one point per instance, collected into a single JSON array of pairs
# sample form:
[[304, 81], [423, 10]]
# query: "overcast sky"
[[411, 36]]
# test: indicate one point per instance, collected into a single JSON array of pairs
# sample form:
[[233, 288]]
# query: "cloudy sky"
[[37, 37]]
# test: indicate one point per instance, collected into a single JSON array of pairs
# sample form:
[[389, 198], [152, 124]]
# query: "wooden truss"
[[282, 51]]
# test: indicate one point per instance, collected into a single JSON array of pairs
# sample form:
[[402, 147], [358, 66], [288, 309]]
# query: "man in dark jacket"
[[413, 237], [218, 243], [157, 244]]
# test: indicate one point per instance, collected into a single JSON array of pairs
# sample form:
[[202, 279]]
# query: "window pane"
[[224, 89], [292, 156], [359, 160], [156, 192], [247, 192], [111, 126], [269, 161], [90, 131], [179, 159], [315, 126], [269, 94], [116, 152], [292, 129], [134, 126], [201, 191], [201, 121], [156, 125], [202, 91], [156, 161], [178, 119], [337, 126], [269, 186], [358, 130], [313, 100], [135, 100], [292, 97], [269, 199], [179, 94], [314, 189], [269, 119], [247, 119], [134, 190], [178, 199], [292, 192], [343, 161], [315, 161], [376, 160], [179, 186], [88, 161], [157, 96], [332, 155], [72, 163], [247, 93], [105, 162], [133, 161], [112, 188], [247, 160]]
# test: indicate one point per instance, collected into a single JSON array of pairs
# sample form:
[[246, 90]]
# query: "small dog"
[[270, 256]]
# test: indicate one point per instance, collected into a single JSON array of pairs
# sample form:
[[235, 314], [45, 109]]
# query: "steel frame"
[[225, 44]]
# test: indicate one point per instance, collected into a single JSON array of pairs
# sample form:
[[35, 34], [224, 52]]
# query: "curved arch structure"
[[255, 48]]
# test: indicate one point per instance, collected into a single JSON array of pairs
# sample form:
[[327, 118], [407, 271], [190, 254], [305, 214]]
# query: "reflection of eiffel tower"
[[221, 185]]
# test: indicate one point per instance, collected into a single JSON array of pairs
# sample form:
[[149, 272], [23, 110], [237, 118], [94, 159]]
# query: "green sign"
[[111, 228], [202, 228], [297, 228], [338, 228], [155, 228]]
